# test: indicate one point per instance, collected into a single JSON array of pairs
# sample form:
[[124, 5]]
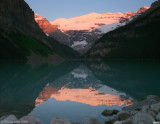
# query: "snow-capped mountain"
[[126, 18], [81, 32], [87, 22], [138, 38], [93, 20], [80, 85]]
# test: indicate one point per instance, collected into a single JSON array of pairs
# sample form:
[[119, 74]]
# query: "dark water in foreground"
[[75, 91]]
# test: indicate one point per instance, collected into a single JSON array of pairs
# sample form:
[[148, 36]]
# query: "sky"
[[53, 9]]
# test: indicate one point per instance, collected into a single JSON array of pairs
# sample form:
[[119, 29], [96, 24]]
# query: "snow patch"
[[47, 34], [111, 27], [109, 90], [79, 43], [78, 73]]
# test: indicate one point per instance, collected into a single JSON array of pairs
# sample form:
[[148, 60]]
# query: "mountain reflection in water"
[[87, 96], [76, 92], [81, 89]]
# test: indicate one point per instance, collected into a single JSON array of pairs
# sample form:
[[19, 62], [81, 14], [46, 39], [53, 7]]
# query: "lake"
[[77, 91]]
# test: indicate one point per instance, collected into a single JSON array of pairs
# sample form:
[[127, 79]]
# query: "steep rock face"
[[45, 25], [80, 41], [138, 39], [81, 32], [87, 22], [128, 15], [93, 20], [20, 35], [142, 9], [18, 14]]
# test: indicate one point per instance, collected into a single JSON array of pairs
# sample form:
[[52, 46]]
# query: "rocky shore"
[[143, 112]]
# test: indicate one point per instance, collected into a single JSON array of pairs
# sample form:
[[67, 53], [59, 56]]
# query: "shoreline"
[[146, 111]]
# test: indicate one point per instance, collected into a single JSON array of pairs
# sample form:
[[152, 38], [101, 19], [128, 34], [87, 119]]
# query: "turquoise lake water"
[[76, 91]]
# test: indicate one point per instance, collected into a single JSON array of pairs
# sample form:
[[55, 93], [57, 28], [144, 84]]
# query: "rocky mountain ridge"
[[93, 20], [138, 39], [81, 32], [45, 24]]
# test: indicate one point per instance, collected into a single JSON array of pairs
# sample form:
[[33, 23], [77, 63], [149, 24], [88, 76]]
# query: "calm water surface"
[[76, 91]]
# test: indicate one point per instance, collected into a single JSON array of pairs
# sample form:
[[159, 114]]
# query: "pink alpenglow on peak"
[[45, 25], [92, 21], [142, 9], [87, 22], [81, 32]]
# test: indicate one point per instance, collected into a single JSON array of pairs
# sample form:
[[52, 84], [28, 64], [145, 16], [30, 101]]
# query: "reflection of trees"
[[20, 84], [134, 78]]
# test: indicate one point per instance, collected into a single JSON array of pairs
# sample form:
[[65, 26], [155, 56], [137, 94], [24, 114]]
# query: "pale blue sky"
[[52, 9]]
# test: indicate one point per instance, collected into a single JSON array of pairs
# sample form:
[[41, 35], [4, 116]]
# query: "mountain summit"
[[138, 39], [45, 24], [87, 22], [81, 32], [142, 9], [93, 20]]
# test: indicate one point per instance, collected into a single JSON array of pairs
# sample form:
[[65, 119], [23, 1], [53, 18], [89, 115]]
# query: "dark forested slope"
[[138, 39], [20, 35]]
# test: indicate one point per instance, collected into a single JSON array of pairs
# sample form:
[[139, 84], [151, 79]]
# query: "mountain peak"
[[87, 22], [38, 17], [143, 9], [81, 32], [93, 20], [44, 24], [92, 14]]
